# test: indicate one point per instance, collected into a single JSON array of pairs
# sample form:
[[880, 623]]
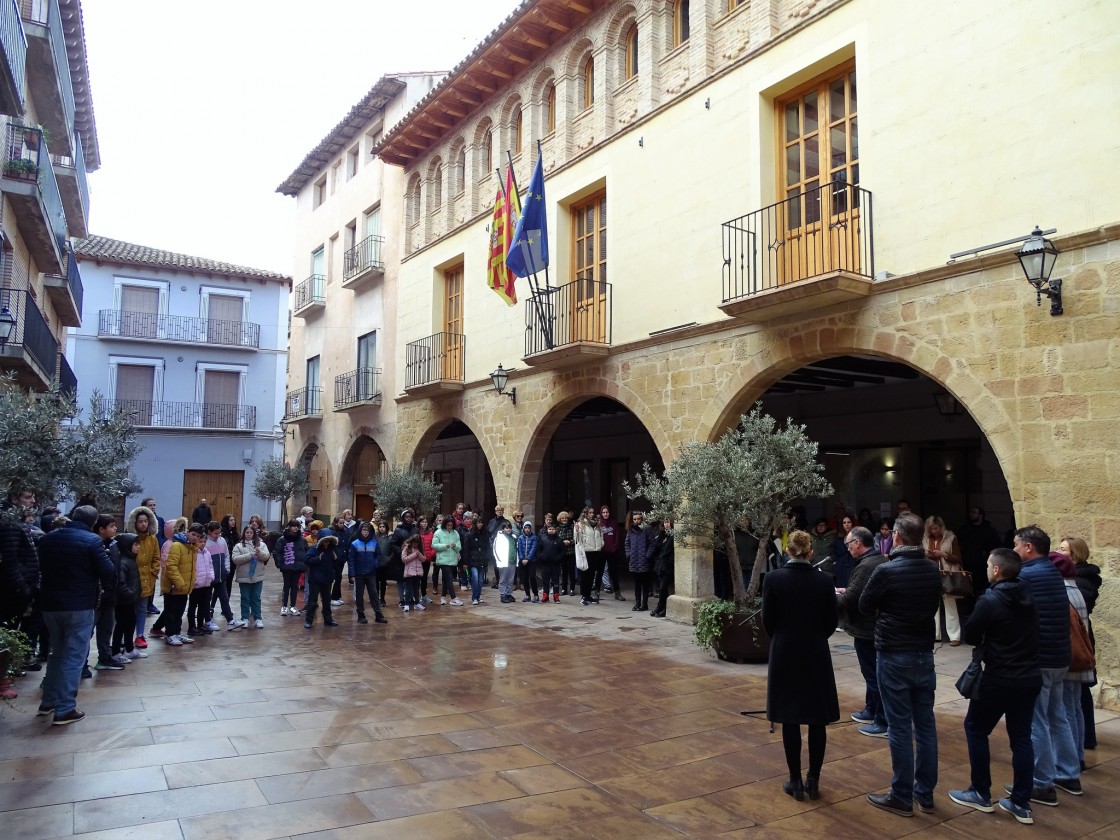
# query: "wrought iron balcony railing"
[[67, 379], [439, 357], [31, 331], [312, 290], [358, 386], [810, 234], [577, 312], [14, 44], [123, 324], [306, 402], [185, 415], [363, 257], [26, 159]]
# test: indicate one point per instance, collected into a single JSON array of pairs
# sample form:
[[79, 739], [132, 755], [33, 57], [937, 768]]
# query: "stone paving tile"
[[494, 722]]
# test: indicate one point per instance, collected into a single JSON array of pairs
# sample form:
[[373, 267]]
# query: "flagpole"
[[534, 286]]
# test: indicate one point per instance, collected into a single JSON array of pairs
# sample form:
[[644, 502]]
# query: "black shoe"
[[887, 802], [658, 613], [812, 783], [1070, 786], [87, 674], [45, 710], [608, 590], [1043, 796], [38, 666], [595, 598], [72, 716], [636, 608], [926, 807], [794, 789], [618, 596], [330, 623], [308, 624], [583, 602], [380, 619], [363, 620]]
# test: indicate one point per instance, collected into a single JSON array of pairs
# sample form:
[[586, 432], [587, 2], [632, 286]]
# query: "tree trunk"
[[759, 566], [727, 534]]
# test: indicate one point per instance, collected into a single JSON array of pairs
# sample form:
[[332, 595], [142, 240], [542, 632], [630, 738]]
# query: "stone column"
[[693, 584]]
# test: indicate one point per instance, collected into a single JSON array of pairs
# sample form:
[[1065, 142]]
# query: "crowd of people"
[[1026, 612], [72, 579]]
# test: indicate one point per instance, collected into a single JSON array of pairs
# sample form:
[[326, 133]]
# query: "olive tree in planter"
[[748, 478], [404, 486], [278, 481]]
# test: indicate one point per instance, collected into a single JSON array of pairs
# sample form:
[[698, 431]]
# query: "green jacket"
[[446, 545]]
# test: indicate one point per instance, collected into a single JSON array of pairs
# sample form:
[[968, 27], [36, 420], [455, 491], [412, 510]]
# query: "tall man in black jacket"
[[904, 595], [74, 565], [1004, 626]]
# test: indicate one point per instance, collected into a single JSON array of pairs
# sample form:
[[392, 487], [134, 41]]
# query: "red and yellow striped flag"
[[506, 213]]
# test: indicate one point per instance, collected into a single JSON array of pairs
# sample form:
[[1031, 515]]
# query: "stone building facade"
[[836, 254]]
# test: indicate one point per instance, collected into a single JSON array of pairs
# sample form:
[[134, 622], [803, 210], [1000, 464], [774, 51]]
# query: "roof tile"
[[102, 248]]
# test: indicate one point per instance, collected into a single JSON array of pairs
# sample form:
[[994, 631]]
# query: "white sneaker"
[[336, 603], [212, 626], [443, 602], [260, 624], [283, 611], [455, 602], [187, 640], [404, 607], [474, 602], [173, 641], [418, 607], [136, 654], [294, 610]]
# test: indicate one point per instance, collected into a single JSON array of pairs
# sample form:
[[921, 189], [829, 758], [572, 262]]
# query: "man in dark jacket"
[[550, 554], [392, 567], [861, 627], [320, 560], [976, 540], [345, 535], [493, 528], [477, 551], [1055, 754], [904, 595], [202, 513], [75, 565], [19, 561], [105, 616], [1004, 627]]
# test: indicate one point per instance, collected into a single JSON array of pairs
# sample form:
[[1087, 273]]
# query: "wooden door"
[[452, 367], [818, 216], [223, 490], [587, 308]]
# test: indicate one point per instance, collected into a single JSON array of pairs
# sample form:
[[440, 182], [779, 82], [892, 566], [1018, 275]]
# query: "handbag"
[[968, 683], [956, 584], [581, 557], [1081, 656]]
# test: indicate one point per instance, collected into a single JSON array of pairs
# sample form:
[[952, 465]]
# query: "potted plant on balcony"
[[745, 480], [22, 168]]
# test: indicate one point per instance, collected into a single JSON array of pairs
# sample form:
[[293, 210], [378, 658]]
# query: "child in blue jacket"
[[527, 559]]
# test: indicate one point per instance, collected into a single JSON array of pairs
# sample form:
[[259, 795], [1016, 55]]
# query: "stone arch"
[[548, 414], [435, 178], [511, 109], [616, 32], [577, 55], [412, 200], [788, 350], [313, 455], [456, 173], [438, 423], [360, 438]]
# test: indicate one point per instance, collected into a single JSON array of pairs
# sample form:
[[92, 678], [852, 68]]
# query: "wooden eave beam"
[[532, 35], [495, 69]]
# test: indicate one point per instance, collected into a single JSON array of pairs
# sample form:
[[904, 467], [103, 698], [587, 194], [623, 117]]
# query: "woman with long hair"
[[941, 547], [250, 557], [589, 535], [637, 557], [1087, 579], [799, 614]]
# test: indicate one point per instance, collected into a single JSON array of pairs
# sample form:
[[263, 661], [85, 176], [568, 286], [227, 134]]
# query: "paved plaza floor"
[[494, 721]]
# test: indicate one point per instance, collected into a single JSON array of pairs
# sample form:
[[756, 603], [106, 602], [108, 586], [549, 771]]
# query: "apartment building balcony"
[[31, 351], [13, 59], [357, 388], [303, 404], [310, 295], [435, 364], [66, 292], [567, 324], [48, 71], [66, 378], [809, 251], [178, 329], [28, 180], [73, 185], [363, 263], [204, 417]]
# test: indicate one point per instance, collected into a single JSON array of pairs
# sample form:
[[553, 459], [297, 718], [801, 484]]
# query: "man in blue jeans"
[[74, 565], [1056, 764], [904, 595], [861, 545]]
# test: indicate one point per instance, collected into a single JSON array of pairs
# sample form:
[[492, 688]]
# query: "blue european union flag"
[[528, 252]]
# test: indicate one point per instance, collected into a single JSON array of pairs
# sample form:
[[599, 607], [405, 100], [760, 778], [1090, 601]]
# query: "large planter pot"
[[743, 639]]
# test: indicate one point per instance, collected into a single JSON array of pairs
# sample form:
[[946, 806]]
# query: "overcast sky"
[[204, 107]]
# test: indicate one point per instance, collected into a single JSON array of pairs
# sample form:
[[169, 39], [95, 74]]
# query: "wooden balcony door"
[[223, 319], [221, 391], [133, 390], [452, 366], [819, 145], [139, 312], [587, 315]]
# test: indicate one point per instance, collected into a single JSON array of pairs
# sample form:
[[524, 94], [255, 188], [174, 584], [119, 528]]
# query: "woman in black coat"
[[799, 614]]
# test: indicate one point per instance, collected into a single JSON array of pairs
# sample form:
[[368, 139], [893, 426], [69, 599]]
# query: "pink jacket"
[[203, 569], [413, 563]]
